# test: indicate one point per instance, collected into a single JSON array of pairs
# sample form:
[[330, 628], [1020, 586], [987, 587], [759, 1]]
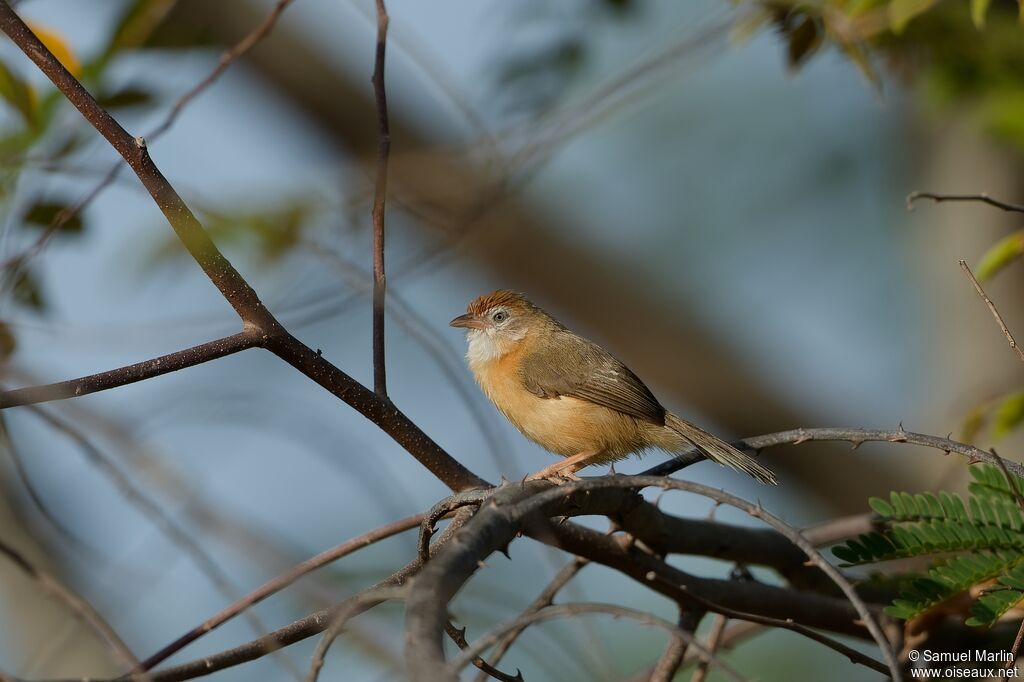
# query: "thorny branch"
[[992, 309], [850, 435]]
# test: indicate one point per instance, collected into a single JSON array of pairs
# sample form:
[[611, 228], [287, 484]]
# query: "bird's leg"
[[566, 469]]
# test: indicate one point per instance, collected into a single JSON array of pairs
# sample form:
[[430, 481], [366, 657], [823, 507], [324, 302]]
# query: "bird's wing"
[[592, 375]]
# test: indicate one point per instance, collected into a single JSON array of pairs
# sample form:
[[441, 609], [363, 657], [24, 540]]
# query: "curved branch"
[[850, 435], [579, 608], [279, 583], [545, 598], [299, 630]]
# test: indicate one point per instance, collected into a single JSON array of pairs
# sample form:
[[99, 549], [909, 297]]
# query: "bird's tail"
[[718, 450]]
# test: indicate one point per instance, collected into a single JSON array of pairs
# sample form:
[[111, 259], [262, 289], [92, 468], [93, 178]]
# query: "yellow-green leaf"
[[18, 94], [1009, 415], [1000, 254], [60, 48], [902, 11], [139, 22], [974, 422], [979, 9]]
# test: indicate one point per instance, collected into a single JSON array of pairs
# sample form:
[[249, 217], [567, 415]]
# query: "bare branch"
[[580, 608], [983, 198], [140, 371], [74, 603], [992, 308], [299, 630], [458, 635], [849, 435], [380, 190], [668, 665], [280, 582], [545, 598], [711, 643], [150, 509], [342, 616]]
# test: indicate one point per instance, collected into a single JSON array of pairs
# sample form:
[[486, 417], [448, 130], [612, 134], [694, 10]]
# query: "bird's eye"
[[499, 316]]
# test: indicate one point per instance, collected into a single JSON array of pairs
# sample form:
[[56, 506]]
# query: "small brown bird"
[[570, 395]]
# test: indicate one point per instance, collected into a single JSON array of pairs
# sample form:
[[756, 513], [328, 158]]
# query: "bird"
[[572, 397]]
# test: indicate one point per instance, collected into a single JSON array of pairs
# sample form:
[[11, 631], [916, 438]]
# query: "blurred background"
[[712, 191]]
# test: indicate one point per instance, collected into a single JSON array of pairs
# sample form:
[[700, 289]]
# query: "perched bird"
[[570, 395]]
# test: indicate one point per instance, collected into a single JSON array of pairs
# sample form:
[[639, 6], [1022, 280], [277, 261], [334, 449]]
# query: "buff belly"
[[564, 425]]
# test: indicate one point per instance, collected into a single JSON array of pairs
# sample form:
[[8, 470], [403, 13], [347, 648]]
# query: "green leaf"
[[1008, 415], [979, 9], [902, 11], [44, 213], [881, 507], [18, 94], [1000, 254]]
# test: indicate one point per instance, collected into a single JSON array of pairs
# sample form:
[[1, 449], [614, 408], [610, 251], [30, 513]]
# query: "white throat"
[[483, 347], [486, 345]]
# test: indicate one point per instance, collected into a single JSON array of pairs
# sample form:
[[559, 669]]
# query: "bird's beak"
[[468, 321]]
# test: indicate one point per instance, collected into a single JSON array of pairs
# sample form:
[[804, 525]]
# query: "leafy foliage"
[[977, 544]]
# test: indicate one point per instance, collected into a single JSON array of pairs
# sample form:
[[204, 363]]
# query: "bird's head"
[[497, 322]]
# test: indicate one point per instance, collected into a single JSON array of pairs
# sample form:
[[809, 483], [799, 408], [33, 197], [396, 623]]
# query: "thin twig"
[[983, 198], [668, 665], [574, 609], [1011, 481], [712, 642], [280, 582], [76, 604], [852, 654], [992, 308], [545, 598], [1016, 646], [850, 435], [299, 630], [140, 371], [380, 190], [342, 616], [150, 509], [458, 635]]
